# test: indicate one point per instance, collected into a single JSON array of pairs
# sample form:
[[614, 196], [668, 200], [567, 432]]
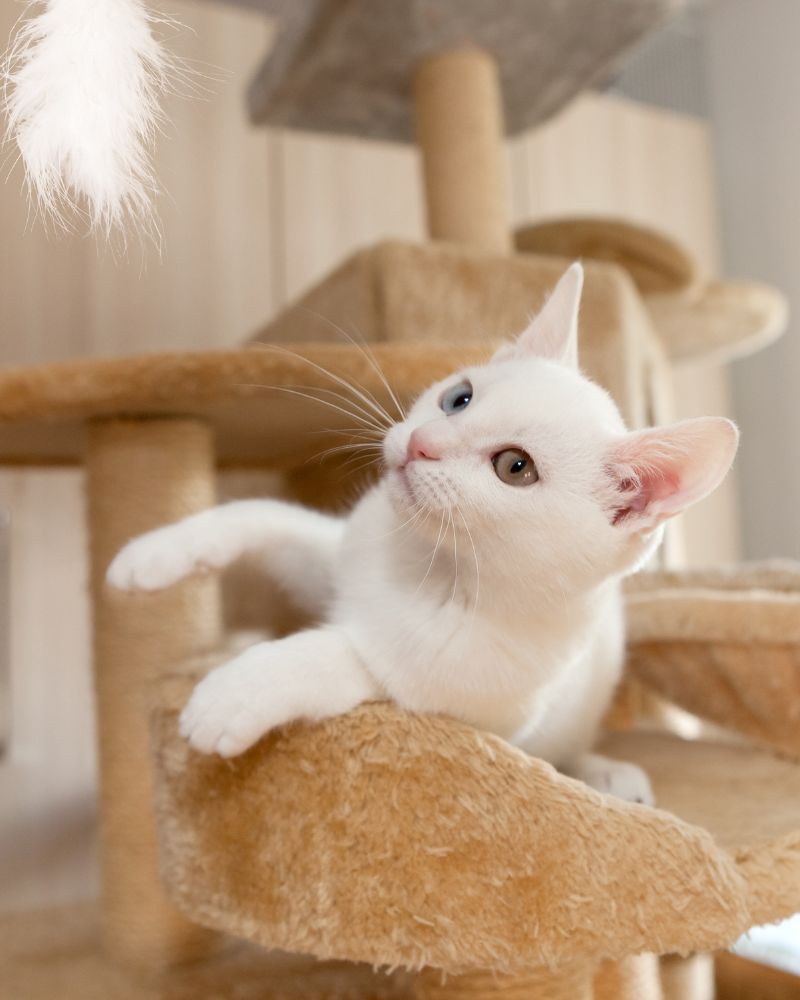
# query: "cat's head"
[[536, 460]]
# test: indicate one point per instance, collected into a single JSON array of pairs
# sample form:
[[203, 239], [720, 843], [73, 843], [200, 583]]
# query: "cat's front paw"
[[233, 707], [615, 777], [162, 558]]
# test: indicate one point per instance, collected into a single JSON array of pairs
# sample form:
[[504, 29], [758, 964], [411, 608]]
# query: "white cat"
[[479, 578]]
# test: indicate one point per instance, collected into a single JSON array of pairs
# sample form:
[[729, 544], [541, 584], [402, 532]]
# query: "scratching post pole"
[[142, 474], [573, 982], [636, 977], [689, 978], [459, 122]]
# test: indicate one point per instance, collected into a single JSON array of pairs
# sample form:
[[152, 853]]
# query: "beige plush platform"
[[724, 644], [655, 262], [386, 837], [345, 66], [44, 410], [696, 319]]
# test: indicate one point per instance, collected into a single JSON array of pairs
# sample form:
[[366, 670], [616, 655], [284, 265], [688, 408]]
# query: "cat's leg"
[[310, 675], [614, 777], [299, 548]]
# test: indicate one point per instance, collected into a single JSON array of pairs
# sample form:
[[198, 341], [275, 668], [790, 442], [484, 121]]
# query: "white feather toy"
[[83, 84]]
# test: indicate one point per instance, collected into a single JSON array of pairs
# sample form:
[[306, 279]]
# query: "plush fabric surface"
[[656, 262], [723, 644], [386, 837], [748, 801], [755, 602], [696, 319]]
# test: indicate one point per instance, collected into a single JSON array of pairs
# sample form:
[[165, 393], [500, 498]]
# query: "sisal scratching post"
[[142, 474], [636, 977], [573, 982], [689, 978], [459, 122]]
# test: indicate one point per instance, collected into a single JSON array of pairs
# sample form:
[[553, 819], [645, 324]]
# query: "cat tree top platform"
[[411, 840], [345, 66]]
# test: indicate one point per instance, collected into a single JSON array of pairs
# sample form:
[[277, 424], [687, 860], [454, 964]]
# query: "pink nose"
[[418, 447]]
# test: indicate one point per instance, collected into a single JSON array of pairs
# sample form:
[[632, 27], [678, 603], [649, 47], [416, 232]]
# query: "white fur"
[[83, 81], [448, 590]]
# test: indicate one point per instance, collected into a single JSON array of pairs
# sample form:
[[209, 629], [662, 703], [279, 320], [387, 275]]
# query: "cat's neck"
[[450, 565]]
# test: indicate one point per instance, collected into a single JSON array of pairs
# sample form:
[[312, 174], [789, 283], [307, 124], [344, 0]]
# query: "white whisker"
[[366, 414], [377, 435], [366, 417], [358, 446], [455, 555], [477, 569], [365, 349], [433, 557], [314, 399], [418, 509], [361, 467], [361, 392]]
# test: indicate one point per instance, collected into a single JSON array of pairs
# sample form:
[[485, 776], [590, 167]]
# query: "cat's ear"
[[658, 473], [553, 333]]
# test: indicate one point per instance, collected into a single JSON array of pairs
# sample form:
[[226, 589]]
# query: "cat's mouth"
[[423, 488]]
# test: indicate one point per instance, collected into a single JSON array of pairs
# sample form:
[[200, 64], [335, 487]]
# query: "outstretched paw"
[[615, 777], [163, 557]]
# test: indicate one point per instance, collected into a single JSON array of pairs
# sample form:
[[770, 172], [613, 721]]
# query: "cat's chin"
[[400, 491]]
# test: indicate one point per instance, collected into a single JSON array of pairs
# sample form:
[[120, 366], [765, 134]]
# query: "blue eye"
[[457, 397]]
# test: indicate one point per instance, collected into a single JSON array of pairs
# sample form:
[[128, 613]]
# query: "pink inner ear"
[[643, 490], [660, 472]]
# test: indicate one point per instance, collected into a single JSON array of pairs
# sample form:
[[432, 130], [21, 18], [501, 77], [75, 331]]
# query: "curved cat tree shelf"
[[398, 839]]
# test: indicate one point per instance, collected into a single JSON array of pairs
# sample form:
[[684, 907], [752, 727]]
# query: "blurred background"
[[697, 135]]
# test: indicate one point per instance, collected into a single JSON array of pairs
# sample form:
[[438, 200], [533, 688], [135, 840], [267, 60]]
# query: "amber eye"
[[515, 467], [457, 397]]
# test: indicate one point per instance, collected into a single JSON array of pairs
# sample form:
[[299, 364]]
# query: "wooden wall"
[[250, 219]]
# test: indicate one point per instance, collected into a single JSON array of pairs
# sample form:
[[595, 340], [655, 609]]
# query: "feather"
[[83, 85]]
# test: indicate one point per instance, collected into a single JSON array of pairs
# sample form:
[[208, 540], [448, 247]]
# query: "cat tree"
[[381, 838]]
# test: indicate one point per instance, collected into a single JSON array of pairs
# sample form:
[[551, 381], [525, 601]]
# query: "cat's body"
[[463, 648], [479, 578]]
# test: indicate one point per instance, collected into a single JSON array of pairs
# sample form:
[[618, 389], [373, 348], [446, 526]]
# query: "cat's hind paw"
[[614, 777]]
